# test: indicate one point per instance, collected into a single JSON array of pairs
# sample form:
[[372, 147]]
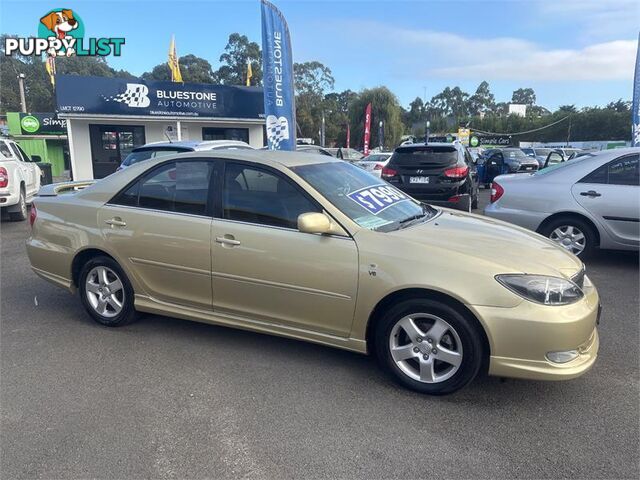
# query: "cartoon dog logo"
[[60, 23]]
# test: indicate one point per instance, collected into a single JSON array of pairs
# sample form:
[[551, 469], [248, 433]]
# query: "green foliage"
[[237, 54], [385, 107], [524, 96]]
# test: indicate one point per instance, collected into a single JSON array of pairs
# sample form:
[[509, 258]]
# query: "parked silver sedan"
[[582, 204]]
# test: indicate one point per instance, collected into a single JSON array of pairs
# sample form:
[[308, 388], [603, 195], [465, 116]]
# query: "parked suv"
[[159, 149], [436, 173], [19, 180]]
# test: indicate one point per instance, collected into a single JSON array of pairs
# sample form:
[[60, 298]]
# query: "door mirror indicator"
[[314, 222]]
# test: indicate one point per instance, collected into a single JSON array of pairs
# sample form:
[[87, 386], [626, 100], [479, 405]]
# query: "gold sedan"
[[317, 249]]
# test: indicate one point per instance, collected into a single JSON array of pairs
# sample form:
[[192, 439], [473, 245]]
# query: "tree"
[[238, 53], [194, 69], [451, 102], [483, 101], [385, 107], [567, 109], [336, 106], [312, 78], [619, 106], [524, 96]]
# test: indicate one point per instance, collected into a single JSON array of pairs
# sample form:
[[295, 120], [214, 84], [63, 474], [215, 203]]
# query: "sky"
[[579, 52]]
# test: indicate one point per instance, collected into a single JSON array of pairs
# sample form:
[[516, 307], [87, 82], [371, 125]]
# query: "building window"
[[211, 133]]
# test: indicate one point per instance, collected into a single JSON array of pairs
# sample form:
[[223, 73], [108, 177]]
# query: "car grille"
[[578, 278]]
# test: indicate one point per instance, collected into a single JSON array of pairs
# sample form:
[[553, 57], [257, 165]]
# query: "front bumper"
[[520, 337]]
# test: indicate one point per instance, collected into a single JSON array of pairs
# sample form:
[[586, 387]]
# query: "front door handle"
[[228, 240], [116, 222], [591, 193]]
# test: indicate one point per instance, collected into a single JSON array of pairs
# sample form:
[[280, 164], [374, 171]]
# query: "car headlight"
[[542, 289]]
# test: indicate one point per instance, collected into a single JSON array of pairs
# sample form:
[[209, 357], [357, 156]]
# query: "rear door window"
[[624, 171], [181, 187]]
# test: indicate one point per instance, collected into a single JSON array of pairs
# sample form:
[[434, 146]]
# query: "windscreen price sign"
[[377, 198]]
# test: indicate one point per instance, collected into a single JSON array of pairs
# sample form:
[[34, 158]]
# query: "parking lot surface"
[[167, 398]]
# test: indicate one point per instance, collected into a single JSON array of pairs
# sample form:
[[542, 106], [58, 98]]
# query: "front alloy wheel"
[[426, 348], [429, 346]]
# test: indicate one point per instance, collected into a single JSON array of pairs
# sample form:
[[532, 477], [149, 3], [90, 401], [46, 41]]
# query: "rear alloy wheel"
[[572, 234], [21, 214], [428, 346], [106, 292]]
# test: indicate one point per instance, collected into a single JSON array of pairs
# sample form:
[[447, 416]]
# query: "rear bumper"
[[524, 218], [8, 198]]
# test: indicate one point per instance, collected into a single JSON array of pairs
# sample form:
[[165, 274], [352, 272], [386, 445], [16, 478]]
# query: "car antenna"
[[168, 137]]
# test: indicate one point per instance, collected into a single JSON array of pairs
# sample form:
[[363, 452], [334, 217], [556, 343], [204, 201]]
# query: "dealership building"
[[108, 117]]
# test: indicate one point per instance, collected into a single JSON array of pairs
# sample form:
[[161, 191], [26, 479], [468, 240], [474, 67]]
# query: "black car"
[[436, 173]]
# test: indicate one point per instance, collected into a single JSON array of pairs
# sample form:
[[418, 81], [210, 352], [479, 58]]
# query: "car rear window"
[[424, 156], [141, 155]]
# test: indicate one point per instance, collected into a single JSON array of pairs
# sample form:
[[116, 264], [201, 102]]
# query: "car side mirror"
[[314, 222], [36, 158]]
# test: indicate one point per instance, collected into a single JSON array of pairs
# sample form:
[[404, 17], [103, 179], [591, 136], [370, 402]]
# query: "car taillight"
[[496, 192], [378, 166], [456, 172], [4, 177], [388, 172], [33, 214]]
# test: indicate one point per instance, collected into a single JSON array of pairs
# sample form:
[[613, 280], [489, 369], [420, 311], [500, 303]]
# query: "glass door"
[[110, 145]]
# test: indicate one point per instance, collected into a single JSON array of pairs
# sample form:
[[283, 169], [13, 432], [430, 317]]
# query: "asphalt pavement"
[[167, 398]]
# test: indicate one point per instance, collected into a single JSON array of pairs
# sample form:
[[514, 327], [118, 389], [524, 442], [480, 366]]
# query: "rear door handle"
[[227, 241], [591, 193], [116, 222]]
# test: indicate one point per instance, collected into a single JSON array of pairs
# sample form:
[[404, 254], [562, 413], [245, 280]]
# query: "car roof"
[[266, 157], [191, 144]]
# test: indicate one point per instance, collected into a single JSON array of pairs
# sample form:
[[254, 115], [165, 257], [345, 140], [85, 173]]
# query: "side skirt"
[[150, 305]]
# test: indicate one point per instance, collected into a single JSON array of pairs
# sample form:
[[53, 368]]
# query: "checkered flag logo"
[[136, 95], [277, 131]]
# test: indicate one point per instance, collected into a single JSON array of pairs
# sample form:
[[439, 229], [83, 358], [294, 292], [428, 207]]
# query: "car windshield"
[[364, 198], [514, 154], [553, 168], [543, 151], [528, 151], [141, 155], [377, 157]]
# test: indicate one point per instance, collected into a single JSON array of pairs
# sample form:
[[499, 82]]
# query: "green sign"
[[41, 124], [30, 124], [473, 141]]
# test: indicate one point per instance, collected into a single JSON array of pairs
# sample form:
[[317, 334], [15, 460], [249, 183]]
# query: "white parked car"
[[19, 180], [375, 162], [588, 202]]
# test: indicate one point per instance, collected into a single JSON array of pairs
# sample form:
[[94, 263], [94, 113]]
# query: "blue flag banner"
[[277, 69], [635, 107]]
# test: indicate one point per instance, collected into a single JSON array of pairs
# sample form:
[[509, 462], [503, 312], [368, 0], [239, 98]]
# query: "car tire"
[[465, 204], [21, 214], [106, 293], [568, 232], [424, 358]]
